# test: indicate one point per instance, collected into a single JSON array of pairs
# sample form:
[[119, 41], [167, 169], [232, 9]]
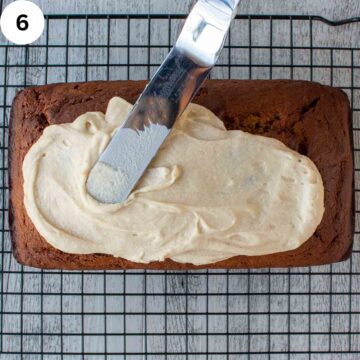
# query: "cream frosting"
[[209, 194]]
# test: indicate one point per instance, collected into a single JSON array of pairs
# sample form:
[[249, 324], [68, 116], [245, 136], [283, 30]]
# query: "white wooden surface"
[[249, 305], [334, 9]]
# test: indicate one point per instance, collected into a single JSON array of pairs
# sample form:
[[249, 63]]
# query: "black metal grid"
[[298, 313]]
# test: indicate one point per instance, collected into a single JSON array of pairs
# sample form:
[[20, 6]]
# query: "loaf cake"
[[307, 117]]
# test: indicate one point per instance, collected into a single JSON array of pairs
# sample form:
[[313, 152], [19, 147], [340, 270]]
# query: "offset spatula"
[[164, 99]]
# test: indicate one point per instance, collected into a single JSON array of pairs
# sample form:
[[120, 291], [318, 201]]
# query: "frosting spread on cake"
[[208, 195]]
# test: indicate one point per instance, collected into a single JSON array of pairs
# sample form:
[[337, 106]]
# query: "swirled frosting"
[[210, 194]]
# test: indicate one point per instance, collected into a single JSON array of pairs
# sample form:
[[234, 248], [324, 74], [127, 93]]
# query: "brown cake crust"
[[308, 117]]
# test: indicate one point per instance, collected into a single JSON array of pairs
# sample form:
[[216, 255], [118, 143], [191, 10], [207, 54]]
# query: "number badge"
[[22, 22]]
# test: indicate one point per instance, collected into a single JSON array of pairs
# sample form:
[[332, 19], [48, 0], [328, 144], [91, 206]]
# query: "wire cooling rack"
[[298, 313]]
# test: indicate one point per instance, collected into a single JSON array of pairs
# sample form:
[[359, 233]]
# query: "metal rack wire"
[[297, 313]]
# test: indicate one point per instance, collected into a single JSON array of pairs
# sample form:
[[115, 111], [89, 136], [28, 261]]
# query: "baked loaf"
[[308, 117]]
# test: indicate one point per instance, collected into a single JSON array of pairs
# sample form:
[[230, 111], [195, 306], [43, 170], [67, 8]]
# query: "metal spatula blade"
[[175, 83]]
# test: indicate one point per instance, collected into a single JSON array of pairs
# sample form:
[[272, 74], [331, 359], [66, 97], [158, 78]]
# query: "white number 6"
[[22, 22]]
